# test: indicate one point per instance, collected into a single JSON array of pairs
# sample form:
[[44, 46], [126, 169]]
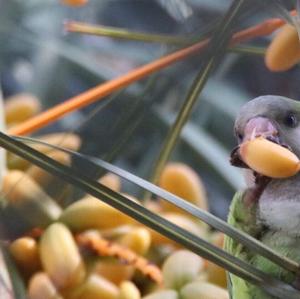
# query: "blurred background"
[[128, 127]]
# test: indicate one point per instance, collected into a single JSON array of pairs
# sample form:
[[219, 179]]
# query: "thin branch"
[[192, 242], [99, 92], [100, 30], [219, 41], [213, 221], [248, 50]]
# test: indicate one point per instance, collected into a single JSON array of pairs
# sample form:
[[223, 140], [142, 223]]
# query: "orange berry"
[[284, 50], [184, 182], [21, 107], [114, 271], [111, 181], [269, 158], [74, 2], [25, 252]]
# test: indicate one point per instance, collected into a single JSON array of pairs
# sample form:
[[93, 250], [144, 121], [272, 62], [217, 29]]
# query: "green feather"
[[243, 216]]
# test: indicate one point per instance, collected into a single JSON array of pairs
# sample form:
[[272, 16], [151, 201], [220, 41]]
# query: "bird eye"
[[291, 121], [240, 137]]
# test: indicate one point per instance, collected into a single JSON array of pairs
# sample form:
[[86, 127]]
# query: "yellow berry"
[[184, 182], [95, 287], [41, 287], [138, 240], [20, 107], [197, 290], [74, 2], [182, 221], [284, 50], [66, 140], [269, 158], [60, 257], [180, 268], [128, 290], [91, 212], [111, 181], [25, 252], [113, 271]]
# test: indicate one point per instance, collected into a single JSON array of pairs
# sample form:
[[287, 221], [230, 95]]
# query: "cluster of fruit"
[[87, 249]]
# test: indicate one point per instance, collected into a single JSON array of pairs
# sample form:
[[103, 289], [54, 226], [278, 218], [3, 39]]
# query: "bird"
[[268, 209]]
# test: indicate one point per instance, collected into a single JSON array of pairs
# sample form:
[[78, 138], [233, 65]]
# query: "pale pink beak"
[[260, 126]]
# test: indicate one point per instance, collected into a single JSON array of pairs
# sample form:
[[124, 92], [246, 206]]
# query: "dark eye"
[[291, 121], [240, 137]]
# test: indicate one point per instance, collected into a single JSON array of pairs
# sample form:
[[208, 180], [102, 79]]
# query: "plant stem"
[[113, 32], [99, 30], [197, 86], [250, 50], [192, 242], [99, 92]]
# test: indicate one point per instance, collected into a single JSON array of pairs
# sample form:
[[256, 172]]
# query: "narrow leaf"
[[113, 32], [203, 215], [152, 220], [218, 42]]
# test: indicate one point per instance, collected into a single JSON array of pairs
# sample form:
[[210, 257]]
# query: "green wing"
[[241, 216]]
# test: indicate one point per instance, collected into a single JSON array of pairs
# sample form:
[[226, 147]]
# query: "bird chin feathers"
[[249, 178], [281, 216], [279, 206]]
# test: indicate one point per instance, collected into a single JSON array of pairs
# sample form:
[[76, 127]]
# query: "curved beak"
[[260, 127], [255, 127]]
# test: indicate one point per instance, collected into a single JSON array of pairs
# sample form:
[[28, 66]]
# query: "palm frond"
[[202, 215], [156, 222]]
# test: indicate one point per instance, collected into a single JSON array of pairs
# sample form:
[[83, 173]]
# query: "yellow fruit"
[[91, 212], [20, 107], [180, 268], [74, 2], [128, 290], [41, 287], [138, 240], [53, 186], [117, 232], [44, 178], [269, 158], [66, 140], [164, 294], [216, 274], [284, 50], [153, 206], [181, 220], [60, 257], [95, 287], [113, 271], [25, 252], [25, 198], [197, 290], [111, 181], [182, 181]]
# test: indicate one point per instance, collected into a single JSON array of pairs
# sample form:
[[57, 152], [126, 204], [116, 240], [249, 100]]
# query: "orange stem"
[[99, 92], [107, 248]]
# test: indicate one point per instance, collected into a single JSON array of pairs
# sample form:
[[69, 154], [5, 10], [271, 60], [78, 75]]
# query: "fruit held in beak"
[[268, 158]]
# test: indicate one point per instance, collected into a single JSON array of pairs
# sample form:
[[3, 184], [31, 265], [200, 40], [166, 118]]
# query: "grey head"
[[275, 117]]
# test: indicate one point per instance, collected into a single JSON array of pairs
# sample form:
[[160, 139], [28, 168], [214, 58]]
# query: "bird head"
[[273, 117]]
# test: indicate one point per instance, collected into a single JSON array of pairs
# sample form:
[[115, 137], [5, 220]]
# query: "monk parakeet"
[[269, 209]]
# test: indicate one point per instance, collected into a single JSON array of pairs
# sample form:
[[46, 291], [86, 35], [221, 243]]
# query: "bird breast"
[[279, 205]]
